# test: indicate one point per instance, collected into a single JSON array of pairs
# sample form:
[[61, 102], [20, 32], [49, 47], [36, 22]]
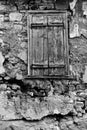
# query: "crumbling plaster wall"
[[78, 38], [40, 104], [13, 42]]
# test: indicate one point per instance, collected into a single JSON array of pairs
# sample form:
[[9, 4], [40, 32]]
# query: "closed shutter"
[[47, 51]]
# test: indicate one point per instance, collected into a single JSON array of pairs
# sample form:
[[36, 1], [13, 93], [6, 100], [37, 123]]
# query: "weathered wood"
[[29, 45], [56, 45], [39, 46], [47, 12], [48, 43], [58, 77], [40, 66], [35, 25]]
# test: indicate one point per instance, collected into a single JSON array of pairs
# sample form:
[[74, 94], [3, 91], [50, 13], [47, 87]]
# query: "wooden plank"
[[57, 71], [67, 43], [51, 45], [28, 33], [38, 45], [45, 50], [48, 48], [52, 77], [35, 66], [39, 19], [52, 12], [29, 21], [55, 18], [39, 37], [56, 45], [55, 36], [66, 52], [59, 45], [35, 25]]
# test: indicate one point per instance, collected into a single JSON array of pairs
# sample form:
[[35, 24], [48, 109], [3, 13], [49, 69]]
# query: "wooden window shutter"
[[48, 43]]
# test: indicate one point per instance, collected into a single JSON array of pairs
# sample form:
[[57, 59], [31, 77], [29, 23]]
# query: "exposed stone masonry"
[[40, 104], [46, 105]]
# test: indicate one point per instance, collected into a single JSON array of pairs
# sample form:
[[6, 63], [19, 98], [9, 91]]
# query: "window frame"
[[30, 13]]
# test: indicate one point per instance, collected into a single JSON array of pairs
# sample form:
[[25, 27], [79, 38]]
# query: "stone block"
[[46, 124], [1, 43], [1, 17], [71, 87], [17, 27], [58, 87], [3, 87], [23, 45], [2, 7], [15, 16], [19, 76], [75, 32], [1, 33], [79, 104], [15, 87], [2, 70], [6, 17], [23, 56], [32, 109]]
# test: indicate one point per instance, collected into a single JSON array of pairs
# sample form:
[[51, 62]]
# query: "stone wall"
[[78, 38], [13, 42], [40, 104]]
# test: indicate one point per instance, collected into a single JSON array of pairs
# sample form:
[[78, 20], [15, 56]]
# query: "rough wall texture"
[[40, 104], [13, 37], [78, 38]]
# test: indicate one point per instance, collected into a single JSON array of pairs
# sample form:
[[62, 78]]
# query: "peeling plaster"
[[75, 32], [72, 5], [84, 7]]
